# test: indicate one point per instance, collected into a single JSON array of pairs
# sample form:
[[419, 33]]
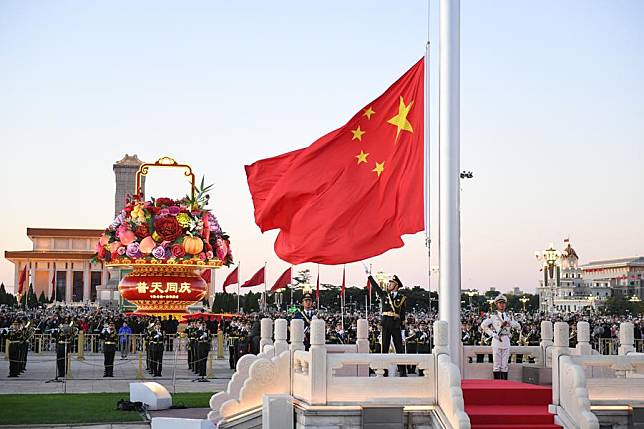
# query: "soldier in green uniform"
[[64, 336], [14, 346], [109, 337], [393, 316], [423, 345], [156, 348], [203, 348]]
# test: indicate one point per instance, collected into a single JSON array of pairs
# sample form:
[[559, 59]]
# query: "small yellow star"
[[380, 167], [400, 120], [368, 112], [357, 133], [362, 157]]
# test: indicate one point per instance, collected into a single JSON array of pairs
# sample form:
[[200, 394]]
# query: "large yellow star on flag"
[[357, 133], [400, 120], [362, 157], [380, 167]]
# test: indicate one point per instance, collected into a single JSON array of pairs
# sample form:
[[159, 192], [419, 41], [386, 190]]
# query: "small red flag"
[[21, 280], [233, 278], [368, 287], [343, 283], [354, 192], [317, 289], [257, 279], [283, 281]]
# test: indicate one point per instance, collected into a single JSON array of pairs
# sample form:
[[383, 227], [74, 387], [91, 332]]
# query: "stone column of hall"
[[87, 294], [69, 282]]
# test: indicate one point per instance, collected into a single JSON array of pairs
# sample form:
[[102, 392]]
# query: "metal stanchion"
[[210, 371], [68, 373], [174, 367], [139, 371], [220, 344], [81, 346]]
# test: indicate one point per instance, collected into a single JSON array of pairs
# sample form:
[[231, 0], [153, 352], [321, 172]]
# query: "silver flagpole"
[[428, 239], [238, 277], [265, 294], [449, 175]]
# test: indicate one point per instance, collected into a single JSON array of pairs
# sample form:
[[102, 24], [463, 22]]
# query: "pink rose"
[[202, 256]]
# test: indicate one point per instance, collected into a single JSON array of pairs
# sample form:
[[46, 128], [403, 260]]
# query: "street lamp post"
[[523, 300], [490, 302], [551, 261], [471, 293]]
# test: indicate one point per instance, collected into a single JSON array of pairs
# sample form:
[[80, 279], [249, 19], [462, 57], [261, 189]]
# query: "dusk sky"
[[552, 116]]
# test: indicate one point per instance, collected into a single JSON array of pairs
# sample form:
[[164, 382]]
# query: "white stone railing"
[[475, 369], [357, 387], [574, 405], [302, 383], [581, 380], [450, 393], [340, 374]]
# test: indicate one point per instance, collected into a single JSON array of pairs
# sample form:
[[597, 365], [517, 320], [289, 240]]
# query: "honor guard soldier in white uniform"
[[498, 326]]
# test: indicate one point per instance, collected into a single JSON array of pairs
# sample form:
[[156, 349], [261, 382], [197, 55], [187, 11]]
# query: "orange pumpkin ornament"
[[193, 245]]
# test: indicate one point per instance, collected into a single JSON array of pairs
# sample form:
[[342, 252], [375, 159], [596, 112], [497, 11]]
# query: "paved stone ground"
[[87, 375]]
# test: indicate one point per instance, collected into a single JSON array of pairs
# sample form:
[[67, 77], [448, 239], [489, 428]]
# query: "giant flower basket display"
[[167, 244]]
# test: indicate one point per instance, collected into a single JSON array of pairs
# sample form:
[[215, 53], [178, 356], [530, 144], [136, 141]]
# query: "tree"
[[41, 299], [225, 303], [251, 302], [303, 276], [32, 300]]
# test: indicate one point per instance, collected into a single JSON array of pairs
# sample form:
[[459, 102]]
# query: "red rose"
[[142, 230], [154, 210], [178, 251], [161, 202], [168, 228]]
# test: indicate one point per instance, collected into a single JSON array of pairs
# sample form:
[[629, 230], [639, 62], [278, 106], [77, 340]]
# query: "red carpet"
[[506, 404]]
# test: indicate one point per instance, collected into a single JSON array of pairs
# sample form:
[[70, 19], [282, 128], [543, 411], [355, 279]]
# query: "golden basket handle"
[[165, 162]]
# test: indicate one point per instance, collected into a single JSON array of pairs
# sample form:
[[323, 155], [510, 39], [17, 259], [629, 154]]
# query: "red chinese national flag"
[[283, 281], [354, 192], [233, 278], [257, 279]]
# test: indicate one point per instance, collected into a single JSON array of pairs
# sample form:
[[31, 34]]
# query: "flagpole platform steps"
[[506, 404]]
